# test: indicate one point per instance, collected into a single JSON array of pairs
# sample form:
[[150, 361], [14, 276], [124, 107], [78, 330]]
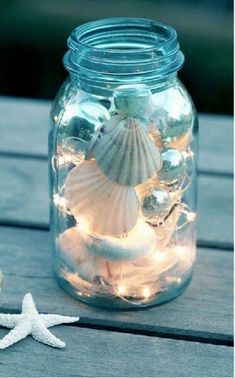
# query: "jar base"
[[120, 302]]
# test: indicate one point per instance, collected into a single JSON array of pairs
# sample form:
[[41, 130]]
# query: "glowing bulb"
[[182, 250], [159, 256], [191, 216], [121, 290], [60, 202], [172, 280], [146, 292], [82, 224]]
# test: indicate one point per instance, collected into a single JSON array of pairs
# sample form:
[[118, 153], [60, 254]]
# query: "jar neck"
[[108, 53]]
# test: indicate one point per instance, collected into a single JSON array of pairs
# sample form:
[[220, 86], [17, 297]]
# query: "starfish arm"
[[52, 320], [22, 330], [41, 333], [9, 320], [28, 306]]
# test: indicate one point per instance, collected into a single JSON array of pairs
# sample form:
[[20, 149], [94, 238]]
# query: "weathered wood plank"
[[24, 123], [215, 143], [204, 310], [24, 200], [93, 353]]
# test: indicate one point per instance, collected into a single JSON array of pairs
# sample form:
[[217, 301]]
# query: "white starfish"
[[30, 322]]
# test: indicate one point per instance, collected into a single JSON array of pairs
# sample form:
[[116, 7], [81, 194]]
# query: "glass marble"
[[173, 166]]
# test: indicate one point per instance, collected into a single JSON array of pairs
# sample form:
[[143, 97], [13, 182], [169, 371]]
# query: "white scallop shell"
[[101, 206], [139, 242], [127, 155]]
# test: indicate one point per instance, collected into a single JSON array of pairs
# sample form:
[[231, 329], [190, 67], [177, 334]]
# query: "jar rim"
[[109, 52], [79, 34]]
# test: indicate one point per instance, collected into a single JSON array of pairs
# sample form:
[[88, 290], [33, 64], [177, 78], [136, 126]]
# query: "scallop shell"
[[139, 242], [127, 155], [101, 206]]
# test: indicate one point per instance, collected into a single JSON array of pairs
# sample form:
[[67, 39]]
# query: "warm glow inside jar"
[[122, 166]]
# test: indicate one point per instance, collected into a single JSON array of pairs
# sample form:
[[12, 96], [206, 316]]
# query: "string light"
[[159, 256], [121, 290], [181, 250], [60, 202], [146, 292], [172, 280], [191, 216]]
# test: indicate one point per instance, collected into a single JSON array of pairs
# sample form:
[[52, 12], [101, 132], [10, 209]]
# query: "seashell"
[[132, 101], [100, 205], [75, 254], [139, 241], [127, 155]]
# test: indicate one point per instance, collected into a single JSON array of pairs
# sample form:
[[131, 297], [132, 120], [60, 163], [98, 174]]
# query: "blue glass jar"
[[122, 166]]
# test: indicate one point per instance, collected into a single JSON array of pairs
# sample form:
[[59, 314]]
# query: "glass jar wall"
[[122, 149]]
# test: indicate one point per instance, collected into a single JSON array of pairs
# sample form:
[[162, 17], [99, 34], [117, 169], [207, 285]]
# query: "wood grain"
[[93, 353], [24, 125], [24, 200], [204, 310]]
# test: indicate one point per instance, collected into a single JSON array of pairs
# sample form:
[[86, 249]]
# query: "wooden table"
[[189, 337]]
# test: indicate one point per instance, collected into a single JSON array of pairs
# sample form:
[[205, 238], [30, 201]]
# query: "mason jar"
[[122, 146]]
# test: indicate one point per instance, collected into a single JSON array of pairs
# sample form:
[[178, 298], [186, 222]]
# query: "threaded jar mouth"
[[116, 51]]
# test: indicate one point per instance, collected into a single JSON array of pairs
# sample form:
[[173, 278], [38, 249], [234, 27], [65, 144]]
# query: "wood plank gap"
[[218, 246], [215, 174], [145, 330], [161, 332], [20, 155], [26, 225]]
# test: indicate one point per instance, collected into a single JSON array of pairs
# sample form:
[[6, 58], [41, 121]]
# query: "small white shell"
[[101, 206], [76, 256], [139, 242], [127, 155]]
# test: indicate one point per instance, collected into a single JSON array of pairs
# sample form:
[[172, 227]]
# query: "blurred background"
[[34, 34]]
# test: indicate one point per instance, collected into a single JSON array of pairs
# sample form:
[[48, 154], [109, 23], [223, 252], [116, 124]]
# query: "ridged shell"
[[139, 242], [101, 206], [127, 155]]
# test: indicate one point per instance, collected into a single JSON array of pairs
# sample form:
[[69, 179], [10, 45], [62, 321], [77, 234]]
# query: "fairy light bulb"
[[146, 292], [159, 256], [184, 253], [121, 290], [60, 202], [191, 216], [173, 280]]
